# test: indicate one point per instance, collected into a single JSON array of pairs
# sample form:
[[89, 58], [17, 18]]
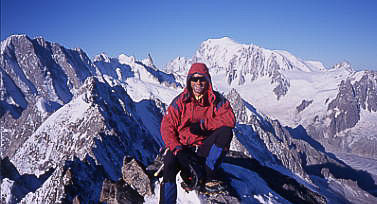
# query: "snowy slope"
[[294, 91], [117, 113], [86, 133], [36, 78], [166, 94]]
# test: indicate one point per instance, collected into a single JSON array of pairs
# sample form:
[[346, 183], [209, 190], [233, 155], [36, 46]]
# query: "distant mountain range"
[[336, 106], [304, 133]]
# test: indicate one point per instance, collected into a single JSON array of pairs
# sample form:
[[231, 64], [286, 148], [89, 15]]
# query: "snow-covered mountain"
[[68, 123], [37, 78], [243, 63], [337, 106]]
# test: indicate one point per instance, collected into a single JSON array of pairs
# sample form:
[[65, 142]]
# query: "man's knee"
[[225, 135], [227, 131]]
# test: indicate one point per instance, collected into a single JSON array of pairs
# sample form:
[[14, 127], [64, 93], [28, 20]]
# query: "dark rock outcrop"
[[119, 193], [345, 109], [135, 176], [366, 91], [344, 114], [362, 94], [303, 105], [286, 186]]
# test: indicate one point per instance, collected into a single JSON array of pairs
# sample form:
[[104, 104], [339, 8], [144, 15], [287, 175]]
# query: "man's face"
[[198, 84]]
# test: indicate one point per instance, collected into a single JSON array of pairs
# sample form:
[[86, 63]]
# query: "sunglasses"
[[195, 79]]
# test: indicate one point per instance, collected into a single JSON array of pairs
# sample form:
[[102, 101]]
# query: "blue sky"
[[329, 31]]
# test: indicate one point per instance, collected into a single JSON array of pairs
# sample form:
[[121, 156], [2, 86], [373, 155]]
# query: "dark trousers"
[[211, 152]]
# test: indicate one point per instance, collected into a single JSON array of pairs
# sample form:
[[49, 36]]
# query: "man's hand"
[[196, 129]]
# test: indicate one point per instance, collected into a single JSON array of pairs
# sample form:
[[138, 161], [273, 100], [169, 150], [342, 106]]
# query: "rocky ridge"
[[81, 147], [357, 94], [275, 146], [37, 78]]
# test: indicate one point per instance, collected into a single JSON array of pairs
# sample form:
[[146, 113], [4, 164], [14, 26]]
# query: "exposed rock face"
[[282, 84], [345, 109], [278, 145], [273, 145], [354, 96], [345, 112], [119, 193], [135, 176], [17, 185], [303, 105], [366, 91], [36, 78], [287, 187], [133, 186], [239, 110], [238, 106], [88, 137], [218, 199]]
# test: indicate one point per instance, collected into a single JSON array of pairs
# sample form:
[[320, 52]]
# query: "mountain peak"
[[11, 39], [125, 59], [223, 39], [102, 57], [148, 61], [223, 42], [179, 64], [17, 36], [345, 65]]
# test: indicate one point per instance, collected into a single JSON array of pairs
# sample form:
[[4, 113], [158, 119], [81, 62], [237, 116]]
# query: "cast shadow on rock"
[[284, 185], [23, 184], [362, 178]]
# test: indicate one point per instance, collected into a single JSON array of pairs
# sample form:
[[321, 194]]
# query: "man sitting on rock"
[[197, 130]]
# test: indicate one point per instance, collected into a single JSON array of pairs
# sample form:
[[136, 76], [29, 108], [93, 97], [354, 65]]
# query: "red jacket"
[[212, 111]]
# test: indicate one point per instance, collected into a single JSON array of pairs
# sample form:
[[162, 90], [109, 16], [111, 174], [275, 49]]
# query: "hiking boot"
[[192, 177], [187, 186], [189, 183], [214, 185]]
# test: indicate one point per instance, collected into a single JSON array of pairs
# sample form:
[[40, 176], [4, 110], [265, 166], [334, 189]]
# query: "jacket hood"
[[199, 68]]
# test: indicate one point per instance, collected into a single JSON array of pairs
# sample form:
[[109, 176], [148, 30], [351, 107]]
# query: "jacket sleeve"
[[169, 126], [223, 116]]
